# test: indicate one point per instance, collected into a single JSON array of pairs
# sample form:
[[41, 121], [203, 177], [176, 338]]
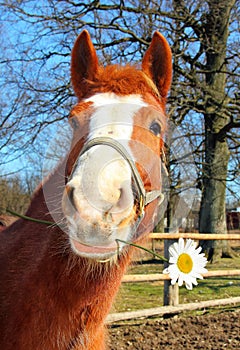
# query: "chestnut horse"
[[58, 282]]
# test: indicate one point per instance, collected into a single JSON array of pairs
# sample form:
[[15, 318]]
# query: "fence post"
[[153, 245], [171, 293]]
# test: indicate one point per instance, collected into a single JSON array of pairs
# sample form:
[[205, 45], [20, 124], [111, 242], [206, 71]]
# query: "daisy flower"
[[185, 263]]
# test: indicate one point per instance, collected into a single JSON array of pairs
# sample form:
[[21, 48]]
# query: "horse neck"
[[77, 293], [56, 243]]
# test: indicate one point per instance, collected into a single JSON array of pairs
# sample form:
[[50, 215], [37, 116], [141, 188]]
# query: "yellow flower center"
[[185, 263]]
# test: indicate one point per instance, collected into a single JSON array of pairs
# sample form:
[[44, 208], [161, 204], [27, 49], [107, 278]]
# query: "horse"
[[6, 220], [58, 281]]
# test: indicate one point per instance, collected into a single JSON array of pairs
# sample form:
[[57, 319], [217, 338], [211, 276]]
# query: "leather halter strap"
[[145, 197]]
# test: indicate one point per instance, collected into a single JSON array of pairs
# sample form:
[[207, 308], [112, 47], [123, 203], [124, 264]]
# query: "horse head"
[[113, 173]]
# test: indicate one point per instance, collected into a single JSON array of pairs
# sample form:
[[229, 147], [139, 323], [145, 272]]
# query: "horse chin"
[[96, 237], [98, 253], [100, 242]]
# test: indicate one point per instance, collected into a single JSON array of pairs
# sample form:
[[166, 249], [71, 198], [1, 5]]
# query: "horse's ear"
[[157, 63], [84, 63]]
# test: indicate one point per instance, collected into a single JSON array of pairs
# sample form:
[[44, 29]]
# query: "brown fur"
[[119, 80], [51, 299]]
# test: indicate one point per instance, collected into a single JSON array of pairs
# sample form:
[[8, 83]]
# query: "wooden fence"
[[171, 295]]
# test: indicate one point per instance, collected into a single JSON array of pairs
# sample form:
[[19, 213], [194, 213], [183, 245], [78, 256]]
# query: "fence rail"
[[153, 277], [196, 236], [173, 310]]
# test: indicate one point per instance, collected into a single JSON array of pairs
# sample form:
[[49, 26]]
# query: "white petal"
[[188, 285], [180, 280], [173, 271], [194, 281], [198, 250], [173, 252], [173, 281], [173, 260], [180, 245], [175, 248], [190, 244]]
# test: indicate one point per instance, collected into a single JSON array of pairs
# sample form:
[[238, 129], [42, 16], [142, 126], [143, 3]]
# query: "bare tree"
[[14, 195], [219, 119]]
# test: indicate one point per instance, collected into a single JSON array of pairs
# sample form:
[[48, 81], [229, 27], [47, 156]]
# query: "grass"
[[135, 296]]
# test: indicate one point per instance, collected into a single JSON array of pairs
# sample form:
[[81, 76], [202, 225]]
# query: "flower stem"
[[48, 223], [145, 249]]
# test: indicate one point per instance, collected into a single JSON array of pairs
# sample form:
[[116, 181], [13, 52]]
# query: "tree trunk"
[[213, 211]]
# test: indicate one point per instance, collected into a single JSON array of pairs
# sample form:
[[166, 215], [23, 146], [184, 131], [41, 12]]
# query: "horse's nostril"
[[125, 198], [70, 195]]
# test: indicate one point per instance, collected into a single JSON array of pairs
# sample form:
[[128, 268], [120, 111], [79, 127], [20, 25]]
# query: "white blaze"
[[114, 115], [103, 179], [113, 118]]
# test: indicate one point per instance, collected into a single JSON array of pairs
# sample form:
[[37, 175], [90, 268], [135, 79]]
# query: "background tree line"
[[37, 38], [14, 194]]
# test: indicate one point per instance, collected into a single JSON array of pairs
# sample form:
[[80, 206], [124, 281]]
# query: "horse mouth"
[[95, 237], [105, 248], [102, 253]]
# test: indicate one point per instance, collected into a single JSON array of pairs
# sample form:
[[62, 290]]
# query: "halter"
[[145, 197]]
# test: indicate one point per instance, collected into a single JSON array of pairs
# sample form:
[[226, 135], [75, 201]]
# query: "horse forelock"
[[120, 80]]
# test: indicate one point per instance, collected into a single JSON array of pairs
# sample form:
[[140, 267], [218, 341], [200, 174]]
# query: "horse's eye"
[[155, 128], [73, 122]]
